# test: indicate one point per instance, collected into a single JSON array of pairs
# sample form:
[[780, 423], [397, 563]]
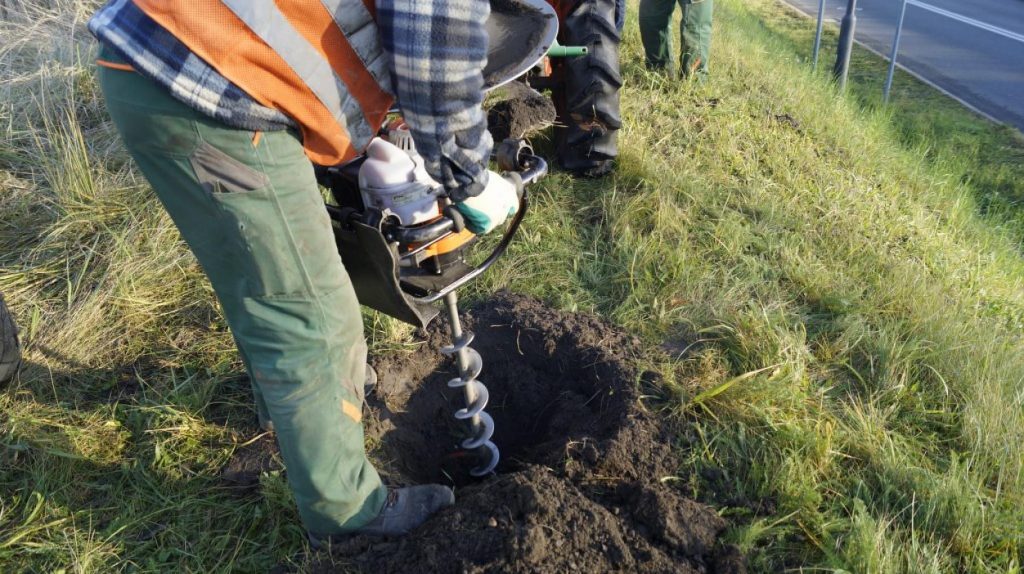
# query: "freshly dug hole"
[[579, 484], [558, 384]]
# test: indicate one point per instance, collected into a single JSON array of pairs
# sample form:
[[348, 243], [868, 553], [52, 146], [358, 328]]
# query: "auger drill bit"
[[470, 364]]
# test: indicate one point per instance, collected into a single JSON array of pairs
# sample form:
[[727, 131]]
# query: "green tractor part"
[[559, 51]]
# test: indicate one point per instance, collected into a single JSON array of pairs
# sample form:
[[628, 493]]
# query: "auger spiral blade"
[[470, 364]]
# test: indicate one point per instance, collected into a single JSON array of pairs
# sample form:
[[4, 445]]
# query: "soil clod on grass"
[[516, 110], [579, 487]]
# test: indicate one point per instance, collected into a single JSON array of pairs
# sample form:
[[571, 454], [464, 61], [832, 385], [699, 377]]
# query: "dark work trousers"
[[249, 207]]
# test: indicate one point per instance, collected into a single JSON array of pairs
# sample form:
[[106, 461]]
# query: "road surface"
[[973, 49]]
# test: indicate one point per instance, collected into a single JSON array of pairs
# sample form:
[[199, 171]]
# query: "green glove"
[[492, 207]]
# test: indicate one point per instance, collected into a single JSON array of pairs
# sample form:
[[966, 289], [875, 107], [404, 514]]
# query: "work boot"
[[404, 510], [369, 383]]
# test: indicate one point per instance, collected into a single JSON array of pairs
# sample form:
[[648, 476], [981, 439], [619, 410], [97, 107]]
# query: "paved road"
[[980, 66]]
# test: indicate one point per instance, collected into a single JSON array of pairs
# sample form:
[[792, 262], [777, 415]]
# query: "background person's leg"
[[254, 217], [695, 35], [655, 16]]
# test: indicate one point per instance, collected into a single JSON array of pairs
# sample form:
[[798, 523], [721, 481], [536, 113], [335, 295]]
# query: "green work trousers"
[[694, 33], [249, 207]]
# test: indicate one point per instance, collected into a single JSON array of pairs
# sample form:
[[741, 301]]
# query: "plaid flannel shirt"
[[437, 49]]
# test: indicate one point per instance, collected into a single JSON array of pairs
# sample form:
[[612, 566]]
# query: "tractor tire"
[[586, 92], [10, 351]]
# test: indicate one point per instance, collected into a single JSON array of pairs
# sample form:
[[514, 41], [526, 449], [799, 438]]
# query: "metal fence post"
[[895, 52], [817, 35], [846, 32]]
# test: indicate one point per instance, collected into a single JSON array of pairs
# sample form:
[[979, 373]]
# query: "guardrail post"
[[846, 32], [895, 52], [817, 35]]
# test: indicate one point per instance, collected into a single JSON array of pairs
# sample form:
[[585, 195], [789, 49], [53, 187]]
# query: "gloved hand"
[[491, 207]]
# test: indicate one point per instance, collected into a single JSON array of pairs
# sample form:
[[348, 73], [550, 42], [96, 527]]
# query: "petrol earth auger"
[[406, 250], [406, 254]]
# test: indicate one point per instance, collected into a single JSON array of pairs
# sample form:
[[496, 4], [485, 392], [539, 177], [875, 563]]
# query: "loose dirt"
[[517, 110], [580, 484], [250, 461]]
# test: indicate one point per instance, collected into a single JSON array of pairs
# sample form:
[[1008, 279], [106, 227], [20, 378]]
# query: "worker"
[[694, 34], [223, 104]]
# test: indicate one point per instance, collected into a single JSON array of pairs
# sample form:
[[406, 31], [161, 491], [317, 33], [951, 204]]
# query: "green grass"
[[840, 286]]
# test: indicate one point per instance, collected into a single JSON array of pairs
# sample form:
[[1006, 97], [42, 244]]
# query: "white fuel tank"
[[391, 181]]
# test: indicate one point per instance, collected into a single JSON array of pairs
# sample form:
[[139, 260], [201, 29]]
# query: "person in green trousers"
[[253, 218], [695, 35], [234, 172]]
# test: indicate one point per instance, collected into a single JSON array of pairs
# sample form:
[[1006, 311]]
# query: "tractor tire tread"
[[589, 92]]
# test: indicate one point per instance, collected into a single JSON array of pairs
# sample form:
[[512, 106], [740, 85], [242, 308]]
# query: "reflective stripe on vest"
[[318, 61], [263, 18], [358, 25]]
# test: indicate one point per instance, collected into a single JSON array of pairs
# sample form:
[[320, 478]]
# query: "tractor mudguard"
[[520, 32]]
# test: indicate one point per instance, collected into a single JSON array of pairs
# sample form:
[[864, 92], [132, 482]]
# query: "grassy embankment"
[[840, 288]]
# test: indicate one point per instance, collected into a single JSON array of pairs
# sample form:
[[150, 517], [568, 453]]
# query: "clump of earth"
[[516, 110], [579, 488]]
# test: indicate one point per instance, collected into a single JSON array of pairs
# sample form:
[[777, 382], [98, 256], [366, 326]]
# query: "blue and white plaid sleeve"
[[157, 54], [438, 51]]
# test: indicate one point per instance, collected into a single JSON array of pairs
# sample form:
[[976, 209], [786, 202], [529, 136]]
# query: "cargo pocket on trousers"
[[247, 200], [218, 172]]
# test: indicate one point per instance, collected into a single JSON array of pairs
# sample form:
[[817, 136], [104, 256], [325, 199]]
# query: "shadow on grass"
[[111, 466], [221, 399]]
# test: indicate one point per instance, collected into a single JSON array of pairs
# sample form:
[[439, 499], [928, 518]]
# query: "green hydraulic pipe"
[[559, 51]]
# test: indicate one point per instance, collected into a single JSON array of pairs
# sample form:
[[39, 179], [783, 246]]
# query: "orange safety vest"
[[318, 61]]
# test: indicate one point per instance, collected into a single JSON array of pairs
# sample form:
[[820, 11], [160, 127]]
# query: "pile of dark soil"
[[579, 485], [516, 110]]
